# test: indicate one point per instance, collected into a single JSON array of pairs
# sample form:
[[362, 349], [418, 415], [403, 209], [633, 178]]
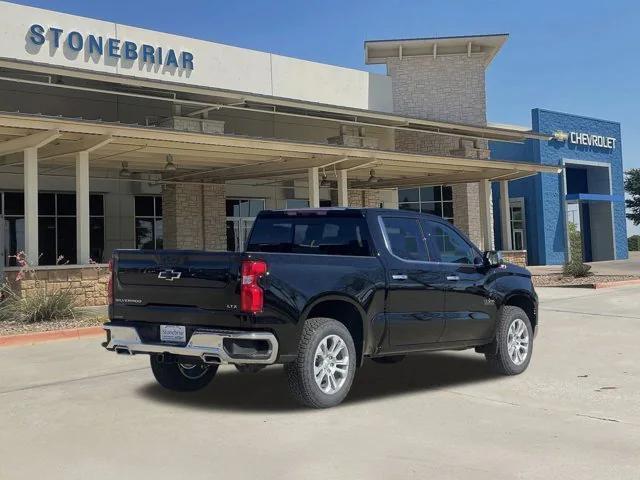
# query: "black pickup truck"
[[320, 290]]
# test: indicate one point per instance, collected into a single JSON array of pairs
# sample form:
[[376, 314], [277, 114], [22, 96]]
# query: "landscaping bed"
[[15, 328], [559, 280]]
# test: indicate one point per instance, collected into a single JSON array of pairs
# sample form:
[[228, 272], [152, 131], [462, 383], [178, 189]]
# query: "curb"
[[40, 337], [621, 283]]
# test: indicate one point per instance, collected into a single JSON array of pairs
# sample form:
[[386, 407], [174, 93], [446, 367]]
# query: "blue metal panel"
[[594, 197], [543, 194]]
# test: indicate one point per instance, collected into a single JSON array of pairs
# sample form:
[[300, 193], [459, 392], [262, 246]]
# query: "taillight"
[[110, 284], [251, 295]]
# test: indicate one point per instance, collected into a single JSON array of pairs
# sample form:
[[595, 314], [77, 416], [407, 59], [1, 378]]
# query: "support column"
[[31, 247], [486, 226], [505, 216], [82, 209], [314, 188], [343, 189]]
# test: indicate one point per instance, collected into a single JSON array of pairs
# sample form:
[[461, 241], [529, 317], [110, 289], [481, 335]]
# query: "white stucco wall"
[[215, 65]]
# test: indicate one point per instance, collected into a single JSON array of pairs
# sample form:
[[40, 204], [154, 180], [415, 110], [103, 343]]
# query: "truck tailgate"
[[167, 286]]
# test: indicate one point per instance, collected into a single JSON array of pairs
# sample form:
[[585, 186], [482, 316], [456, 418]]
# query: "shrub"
[[575, 267], [38, 305], [634, 243]]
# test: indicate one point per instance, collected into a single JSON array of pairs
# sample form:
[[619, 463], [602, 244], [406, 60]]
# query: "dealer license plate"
[[173, 333]]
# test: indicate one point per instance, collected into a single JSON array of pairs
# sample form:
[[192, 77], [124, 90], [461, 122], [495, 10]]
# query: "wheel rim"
[[193, 371], [518, 341], [331, 364]]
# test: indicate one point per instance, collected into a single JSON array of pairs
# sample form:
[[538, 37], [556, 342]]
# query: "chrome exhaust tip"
[[211, 359]]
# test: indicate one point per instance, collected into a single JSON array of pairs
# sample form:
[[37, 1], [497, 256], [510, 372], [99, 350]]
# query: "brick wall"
[[518, 257], [447, 88], [88, 284], [194, 216]]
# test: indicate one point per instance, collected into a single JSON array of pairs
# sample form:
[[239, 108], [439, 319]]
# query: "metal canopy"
[[219, 158]]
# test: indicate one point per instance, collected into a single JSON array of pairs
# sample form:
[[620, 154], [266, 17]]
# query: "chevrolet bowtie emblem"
[[169, 275]]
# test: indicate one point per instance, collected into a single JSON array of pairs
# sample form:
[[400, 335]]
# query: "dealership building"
[[113, 136]]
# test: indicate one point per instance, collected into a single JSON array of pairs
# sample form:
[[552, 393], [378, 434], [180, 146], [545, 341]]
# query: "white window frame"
[[518, 202]]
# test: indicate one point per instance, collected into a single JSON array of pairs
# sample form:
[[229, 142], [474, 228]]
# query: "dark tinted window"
[[325, 236], [66, 203], [13, 203], [96, 205], [446, 245], [405, 238], [144, 206]]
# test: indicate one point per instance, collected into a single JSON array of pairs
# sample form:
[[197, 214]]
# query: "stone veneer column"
[[194, 216], [215, 218], [448, 88], [364, 198]]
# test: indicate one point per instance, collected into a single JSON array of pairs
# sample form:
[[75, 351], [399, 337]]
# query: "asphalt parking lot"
[[72, 411]]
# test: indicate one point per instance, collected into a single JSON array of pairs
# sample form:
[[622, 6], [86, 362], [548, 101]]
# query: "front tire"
[[513, 343], [322, 373], [182, 377]]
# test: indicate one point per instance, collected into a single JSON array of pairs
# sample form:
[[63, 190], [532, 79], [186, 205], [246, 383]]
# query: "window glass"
[[408, 195], [293, 203], [13, 238], [431, 194], [96, 239], [159, 231], [67, 240], [96, 205], [46, 204], [158, 201], [434, 208], [13, 203], [144, 233], [144, 206], [405, 238], [447, 245], [447, 193], [324, 236], [415, 207], [47, 241], [66, 203]]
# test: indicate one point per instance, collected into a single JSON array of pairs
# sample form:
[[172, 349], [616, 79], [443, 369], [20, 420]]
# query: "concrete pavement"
[[631, 266], [72, 411]]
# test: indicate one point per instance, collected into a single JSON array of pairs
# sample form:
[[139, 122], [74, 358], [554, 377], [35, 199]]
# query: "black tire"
[[389, 359], [300, 372], [501, 361], [181, 377]]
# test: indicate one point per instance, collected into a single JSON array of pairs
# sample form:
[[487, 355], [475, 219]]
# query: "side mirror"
[[493, 258]]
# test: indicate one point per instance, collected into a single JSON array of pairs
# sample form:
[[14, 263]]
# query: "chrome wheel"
[[331, 364], [518, 341], [193, 371]]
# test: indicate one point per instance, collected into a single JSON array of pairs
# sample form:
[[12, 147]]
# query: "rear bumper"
[[211, 346]]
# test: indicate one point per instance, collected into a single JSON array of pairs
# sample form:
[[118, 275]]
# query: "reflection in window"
[[148, 222], [433, 200], [405, 238]]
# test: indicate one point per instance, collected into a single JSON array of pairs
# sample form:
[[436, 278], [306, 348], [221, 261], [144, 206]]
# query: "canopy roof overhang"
[[196, 101], [220, 158]]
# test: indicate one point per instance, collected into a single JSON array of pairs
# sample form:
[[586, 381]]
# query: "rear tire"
[[513, 343], [182, 377], [389, 359], [322, 373]]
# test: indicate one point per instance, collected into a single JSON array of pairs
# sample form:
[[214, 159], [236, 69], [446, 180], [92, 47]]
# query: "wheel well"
[[526, 304], [345, 313]]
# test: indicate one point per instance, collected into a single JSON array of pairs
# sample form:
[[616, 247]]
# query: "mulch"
[[592, 281], [15, 328]]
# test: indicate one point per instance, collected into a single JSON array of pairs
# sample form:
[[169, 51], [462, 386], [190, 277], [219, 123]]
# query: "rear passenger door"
[[469, 309], [415, 296]]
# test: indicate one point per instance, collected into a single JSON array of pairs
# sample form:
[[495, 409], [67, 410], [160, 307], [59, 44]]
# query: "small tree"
[[634, 243], [632, 186], [575, 267]]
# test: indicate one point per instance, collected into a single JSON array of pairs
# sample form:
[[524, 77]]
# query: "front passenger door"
[[415, 300], [469, 309]]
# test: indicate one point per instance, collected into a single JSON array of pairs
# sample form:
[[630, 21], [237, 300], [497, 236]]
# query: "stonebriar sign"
[[97, 45]]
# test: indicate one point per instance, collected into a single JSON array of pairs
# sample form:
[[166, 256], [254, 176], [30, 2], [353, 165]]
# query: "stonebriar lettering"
[[592, 140], [112, 47]]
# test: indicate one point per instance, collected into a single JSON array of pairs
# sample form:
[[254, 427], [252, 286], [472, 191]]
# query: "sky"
[[579, 57]]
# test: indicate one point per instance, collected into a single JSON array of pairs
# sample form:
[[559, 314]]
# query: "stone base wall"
[[466, 210], [194, 216], [88, 284], [364, 198], [518, 257]]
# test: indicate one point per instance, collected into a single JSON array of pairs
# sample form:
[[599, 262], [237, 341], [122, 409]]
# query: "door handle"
[[453, 278], [399, 277]]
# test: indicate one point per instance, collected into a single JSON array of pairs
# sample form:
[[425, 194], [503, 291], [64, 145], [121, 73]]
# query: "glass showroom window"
[[518, 224], [434, 200], [56, 227], [148, 222], [241, 212]]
